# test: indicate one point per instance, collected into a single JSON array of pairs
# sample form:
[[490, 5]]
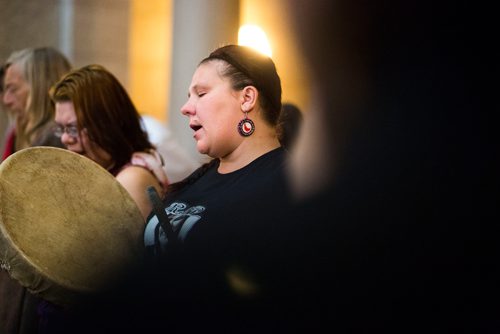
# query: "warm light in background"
[[150, 55], [254, 37]]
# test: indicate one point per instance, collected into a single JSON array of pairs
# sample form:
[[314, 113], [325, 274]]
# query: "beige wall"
[[98, 30], [100, 35], [27, 23]]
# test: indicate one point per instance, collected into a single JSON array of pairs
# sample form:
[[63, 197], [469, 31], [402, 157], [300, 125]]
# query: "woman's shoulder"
[[135, 172]]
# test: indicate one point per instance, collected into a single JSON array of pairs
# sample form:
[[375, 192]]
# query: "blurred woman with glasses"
[[96, 118]]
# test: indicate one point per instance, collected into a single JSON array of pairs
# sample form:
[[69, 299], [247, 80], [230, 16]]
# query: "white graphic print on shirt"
[[182, 218]]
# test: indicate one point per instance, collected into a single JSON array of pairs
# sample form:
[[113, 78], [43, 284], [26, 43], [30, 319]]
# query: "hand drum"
[[67, 227]]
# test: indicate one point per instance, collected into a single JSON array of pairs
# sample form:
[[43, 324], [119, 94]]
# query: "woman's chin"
[[201, 149]]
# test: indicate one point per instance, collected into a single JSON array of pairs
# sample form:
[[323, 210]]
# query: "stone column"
[[199, 27]]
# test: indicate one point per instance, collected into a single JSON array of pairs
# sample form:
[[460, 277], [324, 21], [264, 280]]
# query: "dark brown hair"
[[105, 110], [289, 125]]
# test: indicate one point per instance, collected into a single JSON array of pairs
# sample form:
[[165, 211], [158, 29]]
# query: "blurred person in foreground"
[[390, 172]]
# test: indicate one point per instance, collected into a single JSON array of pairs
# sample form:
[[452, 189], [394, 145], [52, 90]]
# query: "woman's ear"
[[249, 97]]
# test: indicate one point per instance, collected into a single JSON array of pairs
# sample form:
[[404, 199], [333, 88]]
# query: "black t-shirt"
[[223, 223], [218, 206]]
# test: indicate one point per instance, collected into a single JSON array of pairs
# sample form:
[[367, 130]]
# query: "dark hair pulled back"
[[248, 67]]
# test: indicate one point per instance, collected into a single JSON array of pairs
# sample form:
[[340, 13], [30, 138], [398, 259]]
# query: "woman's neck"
[[246, 153]]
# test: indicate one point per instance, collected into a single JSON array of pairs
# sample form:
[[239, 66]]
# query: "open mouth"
[[195, 127]]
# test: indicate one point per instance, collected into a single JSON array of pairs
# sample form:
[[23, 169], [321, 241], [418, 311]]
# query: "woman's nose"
[[67, 140], [187, 109], [6, 99]]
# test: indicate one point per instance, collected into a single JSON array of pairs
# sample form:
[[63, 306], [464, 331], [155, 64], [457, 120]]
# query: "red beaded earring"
[[246, 126]]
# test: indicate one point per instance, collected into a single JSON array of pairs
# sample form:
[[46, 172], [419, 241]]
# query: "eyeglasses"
[[71, 130]]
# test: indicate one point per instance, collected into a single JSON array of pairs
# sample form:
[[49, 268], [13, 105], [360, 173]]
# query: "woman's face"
[[214, 110], [17, 90], [78, 140]]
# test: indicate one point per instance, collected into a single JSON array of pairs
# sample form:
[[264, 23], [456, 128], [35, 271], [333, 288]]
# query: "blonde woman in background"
[[29, 73]]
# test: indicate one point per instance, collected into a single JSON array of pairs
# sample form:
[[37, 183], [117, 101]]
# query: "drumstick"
[[159, 210]]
